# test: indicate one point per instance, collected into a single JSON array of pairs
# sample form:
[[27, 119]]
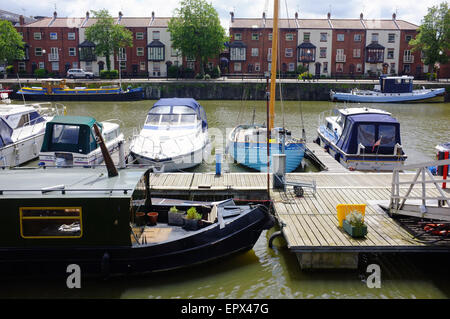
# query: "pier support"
[[327, 260]]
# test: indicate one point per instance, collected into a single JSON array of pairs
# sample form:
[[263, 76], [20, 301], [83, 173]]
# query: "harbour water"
[[263, 272]]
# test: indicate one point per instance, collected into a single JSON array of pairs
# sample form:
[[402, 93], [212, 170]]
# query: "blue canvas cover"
[[5, 133], [189, 102], [370, 130]]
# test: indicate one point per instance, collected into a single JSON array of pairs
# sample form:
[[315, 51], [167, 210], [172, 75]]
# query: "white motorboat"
[[70, 141], [174, 136], [22, 128]]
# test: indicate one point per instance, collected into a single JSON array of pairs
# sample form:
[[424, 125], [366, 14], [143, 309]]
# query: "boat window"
[[160, 110], [187, 119], [153, 119], [66, 134], [366, 134], [340, 120], [168, 119], [18, 120], [50, 222], [177, 109], [387, 135]]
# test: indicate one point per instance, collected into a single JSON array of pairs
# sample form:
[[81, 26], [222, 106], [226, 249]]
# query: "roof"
[[375, 45], [77, 182], [372, 118], [178, 101], [74, 120], [156, 44], [307, 45], [87, 44], [347, 24], [135, 22], [377, 24], [313, 24], [259, 23], [237, 44]]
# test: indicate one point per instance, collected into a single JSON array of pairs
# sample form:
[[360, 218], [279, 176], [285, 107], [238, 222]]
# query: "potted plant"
[[152, 218], [191, 220], [354, 225], [175, 216]]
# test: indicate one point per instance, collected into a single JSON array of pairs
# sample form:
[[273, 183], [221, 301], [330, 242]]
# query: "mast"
[[274, 66]]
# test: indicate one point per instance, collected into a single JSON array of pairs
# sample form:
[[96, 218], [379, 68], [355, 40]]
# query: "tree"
[[196, 31], [11, 44], [108, 36], [433, 38]]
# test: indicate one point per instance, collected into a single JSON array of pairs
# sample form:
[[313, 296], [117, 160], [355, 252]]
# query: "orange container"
[[344, 209]]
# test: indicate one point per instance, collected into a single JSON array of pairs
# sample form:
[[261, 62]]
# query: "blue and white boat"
[[362, 139], [174, 136], [391, 89]]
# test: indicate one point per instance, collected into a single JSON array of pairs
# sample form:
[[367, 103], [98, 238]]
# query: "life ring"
[[437, 229]]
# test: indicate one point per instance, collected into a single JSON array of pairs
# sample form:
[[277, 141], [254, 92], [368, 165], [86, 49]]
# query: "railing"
[[398, 203], [341, 58], [53, 57], [408, 59]]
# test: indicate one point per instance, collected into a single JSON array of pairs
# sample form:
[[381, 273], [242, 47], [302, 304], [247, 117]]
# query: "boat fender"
[[105, 264], [276, 234]]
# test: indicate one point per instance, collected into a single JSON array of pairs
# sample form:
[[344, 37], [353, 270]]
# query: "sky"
[[409, 10]]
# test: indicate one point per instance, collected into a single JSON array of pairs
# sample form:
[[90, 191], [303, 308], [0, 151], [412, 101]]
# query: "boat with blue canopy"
[[174, 136], [362, 139], [391, 89]]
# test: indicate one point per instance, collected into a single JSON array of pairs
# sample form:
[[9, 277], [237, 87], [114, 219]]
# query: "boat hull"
[[200, 246], [132, 95], [22, 151], [432, 95]]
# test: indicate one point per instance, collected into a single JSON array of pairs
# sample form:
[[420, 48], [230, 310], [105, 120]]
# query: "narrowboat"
[[22, 128], [362, 139], [174, 136], [70, 141], [391, 89], [53, 218], [57, 90]]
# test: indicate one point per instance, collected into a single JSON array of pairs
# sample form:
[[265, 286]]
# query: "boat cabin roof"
[[189, 102], [68, 183], [361, 110], [75, 120]]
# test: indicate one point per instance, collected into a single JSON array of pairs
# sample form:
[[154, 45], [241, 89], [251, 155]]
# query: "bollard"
[[279, 170], [218, 163]]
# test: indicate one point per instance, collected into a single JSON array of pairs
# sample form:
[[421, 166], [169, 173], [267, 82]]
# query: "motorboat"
[[58, 90], [70, 141], [391, 89], [362, 138], [22, 128], [174, 136]]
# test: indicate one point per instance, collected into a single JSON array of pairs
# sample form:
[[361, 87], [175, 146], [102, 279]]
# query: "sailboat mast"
[[274, 66]]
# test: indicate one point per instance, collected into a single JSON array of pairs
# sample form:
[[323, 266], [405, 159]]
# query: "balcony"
[[341, 58], [53, 57], [408, 59], [122, 57]]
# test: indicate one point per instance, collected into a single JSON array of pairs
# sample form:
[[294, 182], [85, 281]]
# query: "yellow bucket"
[[344, 209]]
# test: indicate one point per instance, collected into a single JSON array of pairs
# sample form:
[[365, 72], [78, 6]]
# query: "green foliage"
[[433, 38], [40, 73], [355, 219], [301, 69], [305, 76], [108, 36], [215, 72], [10, 69], [112, 74], [173, 71], [196, 31], [193, 214], [11, 44]]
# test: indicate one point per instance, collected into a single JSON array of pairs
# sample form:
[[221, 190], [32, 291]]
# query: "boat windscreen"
[[65, 134], [170, 119]]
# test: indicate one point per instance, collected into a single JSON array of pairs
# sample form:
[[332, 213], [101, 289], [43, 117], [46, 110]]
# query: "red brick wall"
[[132, 57], [348, 45], [414, 70]]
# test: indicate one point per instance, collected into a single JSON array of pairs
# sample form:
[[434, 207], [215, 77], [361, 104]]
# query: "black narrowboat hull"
[[202, 245], [126, 96]]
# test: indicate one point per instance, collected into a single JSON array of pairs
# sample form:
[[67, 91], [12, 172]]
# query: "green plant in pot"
[[175, 216], [354, 225], [191, 220]]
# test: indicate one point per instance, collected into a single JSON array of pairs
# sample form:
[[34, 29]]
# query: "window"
[[340, 37], [238, 36], [237, 67], [406, 68], [173, 52], [142, 66], [71, 36], [237, 54], [356, 53], [374, 37], [156, 53], [323, 37], [358, 67], [75, 65], [41, 65], [21, 66], [391, 37], [140, 51], [339, 67], [55, 66], [393, 68], [139, 35], [50, 222], [289, 36], [270, 37], [65, 134], [288, 52], [156, 67], [257, 67], [291, 67], [269, 54], [366, 135], [155, 35], [306, 36], [390, 53], [53, 36], [190, 65], [357, 38], [122, 56], [386, 134], [255, 36], [72, 51], [408, 38], [38, 51], [37, 35], [325, 67], [323, 52], [255, 52]]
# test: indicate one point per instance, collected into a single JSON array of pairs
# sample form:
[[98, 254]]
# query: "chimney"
[[232, 16], [87, 15], [153, 15], [120, 15], [296, 15], [21, 20], [361, 16], [54, 15], [329, 16], [264, 15], [394, 16]]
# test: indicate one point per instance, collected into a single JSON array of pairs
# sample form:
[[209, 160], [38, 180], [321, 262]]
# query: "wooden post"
[[112, 170]]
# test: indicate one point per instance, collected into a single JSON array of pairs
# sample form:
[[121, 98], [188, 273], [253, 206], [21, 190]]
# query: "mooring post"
[[279, 171]]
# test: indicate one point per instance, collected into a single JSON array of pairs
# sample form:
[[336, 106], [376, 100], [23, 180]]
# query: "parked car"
[[79, 73]]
